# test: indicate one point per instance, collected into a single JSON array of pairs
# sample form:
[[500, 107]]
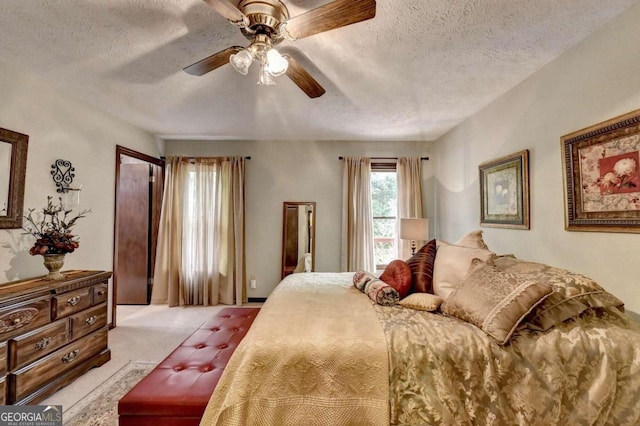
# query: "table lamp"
[[414, 230]]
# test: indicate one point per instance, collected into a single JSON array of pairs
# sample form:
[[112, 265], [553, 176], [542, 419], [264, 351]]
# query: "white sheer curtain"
[[200, 255], [409, 173], [357, 218]]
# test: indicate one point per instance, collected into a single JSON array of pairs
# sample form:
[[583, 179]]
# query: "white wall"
[[596, 80], [297, 171], [61, 127]]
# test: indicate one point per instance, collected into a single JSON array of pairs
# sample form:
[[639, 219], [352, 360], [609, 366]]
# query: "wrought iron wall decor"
[[63, 174]]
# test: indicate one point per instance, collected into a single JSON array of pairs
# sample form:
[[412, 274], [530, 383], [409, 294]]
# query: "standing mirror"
[[298, 237], [13, 166]]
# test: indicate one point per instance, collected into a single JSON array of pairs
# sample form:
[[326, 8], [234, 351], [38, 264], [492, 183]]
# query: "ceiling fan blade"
[[229, 11], [212, 62], [332, 15], [303, 79]]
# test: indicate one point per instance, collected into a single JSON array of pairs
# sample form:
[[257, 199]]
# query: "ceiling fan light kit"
[[267, 23], [261, 50]]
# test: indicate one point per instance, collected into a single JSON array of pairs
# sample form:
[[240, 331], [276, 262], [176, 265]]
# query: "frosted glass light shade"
[[241, 61], [276, 63], [414, 229], [264, 78], [71, 197]]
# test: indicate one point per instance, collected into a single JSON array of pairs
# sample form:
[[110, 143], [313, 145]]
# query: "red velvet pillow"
[[398, 275], [421, 265]]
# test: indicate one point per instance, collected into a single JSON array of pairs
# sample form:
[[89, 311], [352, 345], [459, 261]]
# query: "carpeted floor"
[[100, 406], [143, 332]]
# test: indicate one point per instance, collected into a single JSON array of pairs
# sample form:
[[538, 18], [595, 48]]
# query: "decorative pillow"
[[398, 275], [452, 266], [362, 278], [474, 240], [574, 293], [422, 301], [382, 293], [495, 301], [421, 265], [377, 290]]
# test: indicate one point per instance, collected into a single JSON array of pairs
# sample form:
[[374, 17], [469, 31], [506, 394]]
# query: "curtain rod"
[[246, 158], [386, 158]]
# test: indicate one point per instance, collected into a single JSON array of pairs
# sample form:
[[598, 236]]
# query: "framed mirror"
[[13, 167], [298, 237]]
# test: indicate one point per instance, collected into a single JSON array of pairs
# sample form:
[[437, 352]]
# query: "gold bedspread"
[[319, 353], [445, 371], [315, 355]]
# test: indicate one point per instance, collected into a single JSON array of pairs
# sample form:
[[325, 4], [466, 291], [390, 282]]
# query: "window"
[[384, 206], [198, 216]]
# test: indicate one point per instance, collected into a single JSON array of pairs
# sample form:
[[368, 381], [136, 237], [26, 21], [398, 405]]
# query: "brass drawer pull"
[[43, 343], [91, 320], [71, 356], [73, 301]]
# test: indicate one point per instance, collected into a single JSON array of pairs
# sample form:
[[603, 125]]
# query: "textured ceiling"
[[412, 73]]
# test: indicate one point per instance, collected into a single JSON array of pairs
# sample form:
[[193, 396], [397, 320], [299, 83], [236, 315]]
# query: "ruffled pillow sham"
[[574, 293]]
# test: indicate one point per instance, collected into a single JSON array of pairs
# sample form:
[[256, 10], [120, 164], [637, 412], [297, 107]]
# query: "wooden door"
[[139, 185], [133, 234]]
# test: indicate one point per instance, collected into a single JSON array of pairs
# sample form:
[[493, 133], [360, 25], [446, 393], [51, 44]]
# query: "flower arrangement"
[[52, 229]]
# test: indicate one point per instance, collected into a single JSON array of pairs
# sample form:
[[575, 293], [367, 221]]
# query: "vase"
[[53, 263]]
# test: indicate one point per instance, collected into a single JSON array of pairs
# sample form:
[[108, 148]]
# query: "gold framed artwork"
[[504, 192], [602, 176]]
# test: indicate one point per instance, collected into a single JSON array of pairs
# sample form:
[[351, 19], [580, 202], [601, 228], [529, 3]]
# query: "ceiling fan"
[[267, 23]]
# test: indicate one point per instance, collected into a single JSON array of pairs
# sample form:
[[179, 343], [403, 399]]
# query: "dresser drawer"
[[87, 321], [25, 316], [100, 293], [28, 347], [30, 378], [72, 302], [3, 359]]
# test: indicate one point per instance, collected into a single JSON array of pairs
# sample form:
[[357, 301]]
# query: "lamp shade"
[[276, 63], [414, 229], [241, 61]]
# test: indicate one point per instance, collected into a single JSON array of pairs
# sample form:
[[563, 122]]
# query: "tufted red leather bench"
[[177, 391]]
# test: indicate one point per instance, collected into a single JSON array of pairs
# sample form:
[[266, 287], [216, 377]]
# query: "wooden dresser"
[[51, 332]]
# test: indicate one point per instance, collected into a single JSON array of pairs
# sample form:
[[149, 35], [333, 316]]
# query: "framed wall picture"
[[504, 192], [602, 176]]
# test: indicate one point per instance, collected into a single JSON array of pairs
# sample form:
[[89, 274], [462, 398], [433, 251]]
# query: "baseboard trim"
[[257, 299]]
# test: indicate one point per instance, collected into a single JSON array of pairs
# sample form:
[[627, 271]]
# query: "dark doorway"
[[139, 180]]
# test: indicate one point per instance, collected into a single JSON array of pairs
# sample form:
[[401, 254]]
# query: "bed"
[[322, 353]]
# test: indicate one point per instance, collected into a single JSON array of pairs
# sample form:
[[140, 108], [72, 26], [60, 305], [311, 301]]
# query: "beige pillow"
[[474, 240], [422, 301], [452, 266], [495, 301], [574, 293]]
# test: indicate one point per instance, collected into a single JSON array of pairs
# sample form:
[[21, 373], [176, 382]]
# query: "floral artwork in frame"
[[504, 192], [602, 176]]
